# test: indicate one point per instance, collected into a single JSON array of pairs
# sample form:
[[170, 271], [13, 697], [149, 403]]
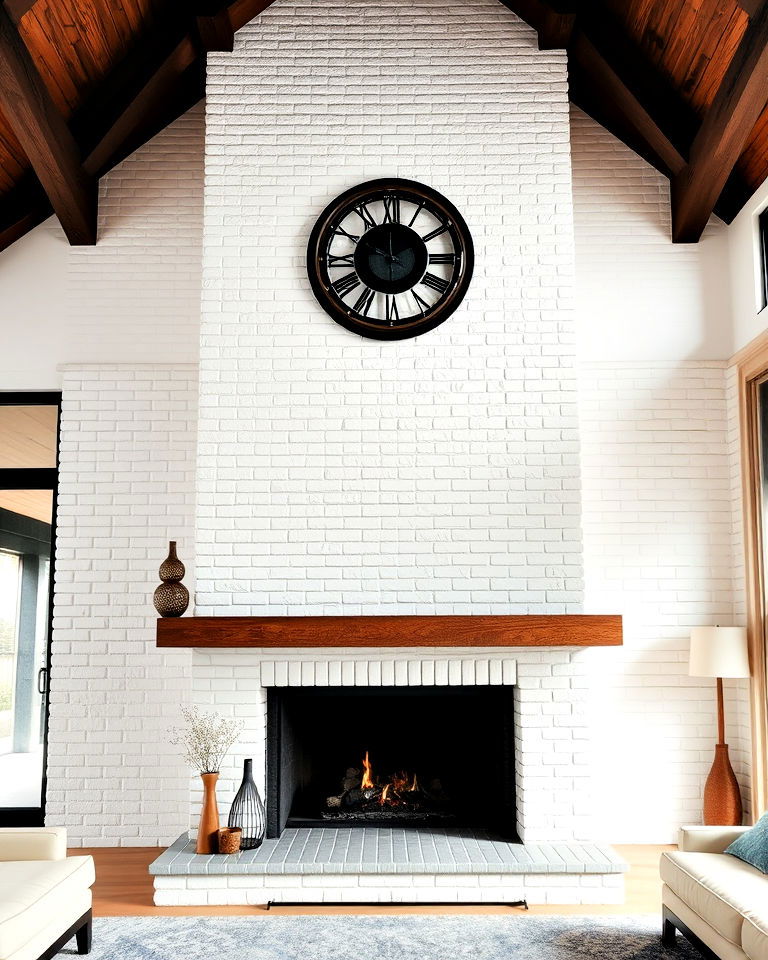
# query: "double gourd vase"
[[171, 598]]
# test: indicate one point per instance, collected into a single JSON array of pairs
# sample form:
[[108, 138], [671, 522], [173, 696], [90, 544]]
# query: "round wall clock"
[[390, 259]]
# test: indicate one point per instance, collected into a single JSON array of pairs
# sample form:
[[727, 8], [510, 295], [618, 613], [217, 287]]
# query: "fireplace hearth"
[[390, 756]]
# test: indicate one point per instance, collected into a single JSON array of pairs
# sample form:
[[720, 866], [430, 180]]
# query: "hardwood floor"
[[124, 888]]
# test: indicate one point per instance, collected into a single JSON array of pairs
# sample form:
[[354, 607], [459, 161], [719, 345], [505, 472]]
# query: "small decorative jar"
[[229, 839], [171, 598]]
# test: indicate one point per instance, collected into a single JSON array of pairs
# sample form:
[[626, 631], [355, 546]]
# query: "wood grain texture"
[[123, 888], [93, 58], [45, 137], [567, 630], [752, 369], [724, 134]]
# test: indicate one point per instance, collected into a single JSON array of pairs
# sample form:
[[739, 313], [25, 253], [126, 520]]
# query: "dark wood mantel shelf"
[[567, 630]]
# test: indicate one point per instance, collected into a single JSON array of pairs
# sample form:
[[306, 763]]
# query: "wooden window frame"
[[752, 370]]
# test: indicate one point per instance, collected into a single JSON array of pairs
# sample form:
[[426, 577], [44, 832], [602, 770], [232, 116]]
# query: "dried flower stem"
[[206, 738]]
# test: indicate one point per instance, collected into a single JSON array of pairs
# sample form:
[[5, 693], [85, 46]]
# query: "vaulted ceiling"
[[83, 83]]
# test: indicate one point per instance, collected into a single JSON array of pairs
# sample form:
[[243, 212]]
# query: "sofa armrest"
[[33, 843], [708, 839]]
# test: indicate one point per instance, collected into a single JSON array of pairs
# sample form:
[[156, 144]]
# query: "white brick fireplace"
[[551, 742], [327, 474]]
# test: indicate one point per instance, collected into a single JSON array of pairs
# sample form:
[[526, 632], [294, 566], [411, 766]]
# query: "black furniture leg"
[[84, 935], [668, 932]]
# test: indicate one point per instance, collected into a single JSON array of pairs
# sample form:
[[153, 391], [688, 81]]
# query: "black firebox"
[[391, 756]]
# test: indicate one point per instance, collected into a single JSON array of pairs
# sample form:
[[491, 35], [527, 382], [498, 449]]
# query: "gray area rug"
[[384, 938]]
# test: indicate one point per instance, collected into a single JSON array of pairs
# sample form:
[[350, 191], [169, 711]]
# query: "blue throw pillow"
[[752, 846]]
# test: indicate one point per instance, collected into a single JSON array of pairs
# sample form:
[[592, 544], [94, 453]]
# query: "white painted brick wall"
[[398, 501], [339, 474], [126, 489], [390, 888], [659, 545]]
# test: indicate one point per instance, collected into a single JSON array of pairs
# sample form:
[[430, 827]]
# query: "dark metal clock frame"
[[397, 222]]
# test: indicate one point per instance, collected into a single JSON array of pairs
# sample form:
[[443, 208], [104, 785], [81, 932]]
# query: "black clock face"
[[390, 259]]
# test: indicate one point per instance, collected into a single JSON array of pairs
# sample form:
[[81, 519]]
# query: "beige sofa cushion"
[[754, 937], [718, 888], [38, 893]]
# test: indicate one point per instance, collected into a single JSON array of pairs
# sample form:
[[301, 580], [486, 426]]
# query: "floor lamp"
[[720, 652]]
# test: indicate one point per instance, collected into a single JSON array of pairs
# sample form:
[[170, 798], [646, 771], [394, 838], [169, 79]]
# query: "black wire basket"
[[248, 811]]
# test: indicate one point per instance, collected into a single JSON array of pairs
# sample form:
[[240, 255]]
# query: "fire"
[[394, 792], [367, 778]]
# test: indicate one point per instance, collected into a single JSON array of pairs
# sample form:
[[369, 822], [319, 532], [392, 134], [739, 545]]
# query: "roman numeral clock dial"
[[390, 259]]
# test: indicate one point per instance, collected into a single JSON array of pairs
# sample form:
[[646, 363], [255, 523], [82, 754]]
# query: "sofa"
[[45, 896], [716, 901]]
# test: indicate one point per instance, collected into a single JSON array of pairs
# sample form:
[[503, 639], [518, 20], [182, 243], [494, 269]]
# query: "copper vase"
[[722, 797], [208, 830]]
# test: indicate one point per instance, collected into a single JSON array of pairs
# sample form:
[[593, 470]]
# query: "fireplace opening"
[[391, 756]]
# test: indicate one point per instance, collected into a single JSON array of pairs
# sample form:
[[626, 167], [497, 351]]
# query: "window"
[[29, 425]]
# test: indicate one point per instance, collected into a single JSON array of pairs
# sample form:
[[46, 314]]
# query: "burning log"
[[365, 796]]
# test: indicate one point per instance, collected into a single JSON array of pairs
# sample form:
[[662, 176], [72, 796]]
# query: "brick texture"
[[126, 488], [441, 474], [339, 474], [659, 546]]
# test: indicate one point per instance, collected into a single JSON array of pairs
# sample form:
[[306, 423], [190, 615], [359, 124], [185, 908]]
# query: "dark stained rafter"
[[613, 81], [162, 74], [214, 27], [751, 7], [723, 134], [17, 8], [45, 137], [553, 25]]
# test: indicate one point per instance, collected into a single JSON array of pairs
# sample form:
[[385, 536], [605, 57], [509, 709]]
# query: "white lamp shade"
[[719, 652]]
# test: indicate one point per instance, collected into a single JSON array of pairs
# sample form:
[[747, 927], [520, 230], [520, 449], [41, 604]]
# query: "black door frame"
[[40, 478]]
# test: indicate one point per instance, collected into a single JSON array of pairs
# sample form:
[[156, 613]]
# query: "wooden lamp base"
[[722, 797]]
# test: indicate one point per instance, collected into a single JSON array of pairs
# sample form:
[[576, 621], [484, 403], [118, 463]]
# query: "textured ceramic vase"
[[208, 830], [171, 598]]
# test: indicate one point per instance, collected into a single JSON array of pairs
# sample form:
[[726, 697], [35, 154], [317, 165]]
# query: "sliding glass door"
[[29, 426]]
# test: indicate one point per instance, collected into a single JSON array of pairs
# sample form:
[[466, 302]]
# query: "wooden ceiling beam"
[[624, 104], [155, 90], [23, 208], [243, 11], [553, 26], [45, 137], [723, 134], [17, 8], [750, 7], [214, 26]]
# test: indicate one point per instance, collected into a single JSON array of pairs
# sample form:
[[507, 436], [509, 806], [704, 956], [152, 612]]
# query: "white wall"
[[640, 300], [660, 546], [339, 474], [638, 295], [132, 298], [126, 487]]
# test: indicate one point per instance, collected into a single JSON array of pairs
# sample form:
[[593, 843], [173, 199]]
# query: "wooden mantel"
[[568, 630]]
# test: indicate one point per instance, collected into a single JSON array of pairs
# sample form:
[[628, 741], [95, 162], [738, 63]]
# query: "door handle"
[[42, 680]]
